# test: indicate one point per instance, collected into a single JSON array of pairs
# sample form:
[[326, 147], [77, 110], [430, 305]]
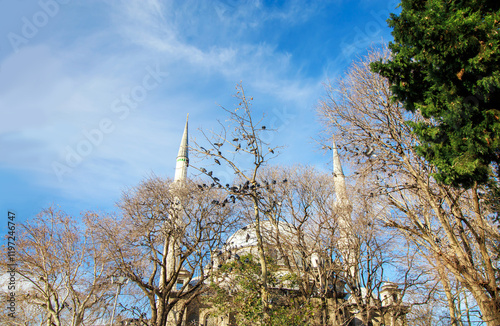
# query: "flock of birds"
[[236, 192], [250, 144]]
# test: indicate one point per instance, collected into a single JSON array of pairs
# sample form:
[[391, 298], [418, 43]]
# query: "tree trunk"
[[490, 310], [324, 310], [262, 260], [447, 290], [180, 317]]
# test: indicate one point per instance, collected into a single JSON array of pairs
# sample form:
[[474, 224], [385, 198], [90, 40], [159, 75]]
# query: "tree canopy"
[[445, 65]]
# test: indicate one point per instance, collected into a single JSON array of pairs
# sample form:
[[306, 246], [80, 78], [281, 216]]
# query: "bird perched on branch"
[[369, 151]]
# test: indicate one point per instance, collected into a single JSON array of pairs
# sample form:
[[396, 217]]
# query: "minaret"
[[182, 158], [343, 210], [171, 246], [339, 182]]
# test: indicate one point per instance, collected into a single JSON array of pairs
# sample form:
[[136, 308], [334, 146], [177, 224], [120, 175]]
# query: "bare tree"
[[309, 245], [158, 212], [365, 295], [462, 307], [288, 245], [63, 268], [453, 227], [294, 207], [240, 147]]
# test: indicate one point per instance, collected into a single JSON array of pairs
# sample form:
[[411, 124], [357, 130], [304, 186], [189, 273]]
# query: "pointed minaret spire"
[[343, 210], [182, 158], [171, 246], [339, 179]]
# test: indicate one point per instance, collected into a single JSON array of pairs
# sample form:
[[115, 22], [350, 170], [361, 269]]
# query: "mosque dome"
[[246, 236], [244, 241]]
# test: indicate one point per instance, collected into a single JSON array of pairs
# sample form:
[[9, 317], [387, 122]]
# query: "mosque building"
[[387, 310]]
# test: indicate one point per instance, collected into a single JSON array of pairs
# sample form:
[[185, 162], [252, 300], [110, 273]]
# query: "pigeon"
[[369, 151]]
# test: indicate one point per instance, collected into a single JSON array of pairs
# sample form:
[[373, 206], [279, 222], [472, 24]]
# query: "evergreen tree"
[[445, 64]]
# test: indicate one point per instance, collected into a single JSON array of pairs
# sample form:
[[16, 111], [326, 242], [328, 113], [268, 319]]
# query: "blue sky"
[[94, 94]]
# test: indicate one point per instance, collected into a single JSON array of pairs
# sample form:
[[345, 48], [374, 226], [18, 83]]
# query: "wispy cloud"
[[212, 36], [93, 80]]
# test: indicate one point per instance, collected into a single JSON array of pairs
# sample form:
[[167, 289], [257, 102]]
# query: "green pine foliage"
[[445, 65]]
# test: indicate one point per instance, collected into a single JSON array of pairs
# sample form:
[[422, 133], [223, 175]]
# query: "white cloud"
[[192, 33], [58, 92]]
